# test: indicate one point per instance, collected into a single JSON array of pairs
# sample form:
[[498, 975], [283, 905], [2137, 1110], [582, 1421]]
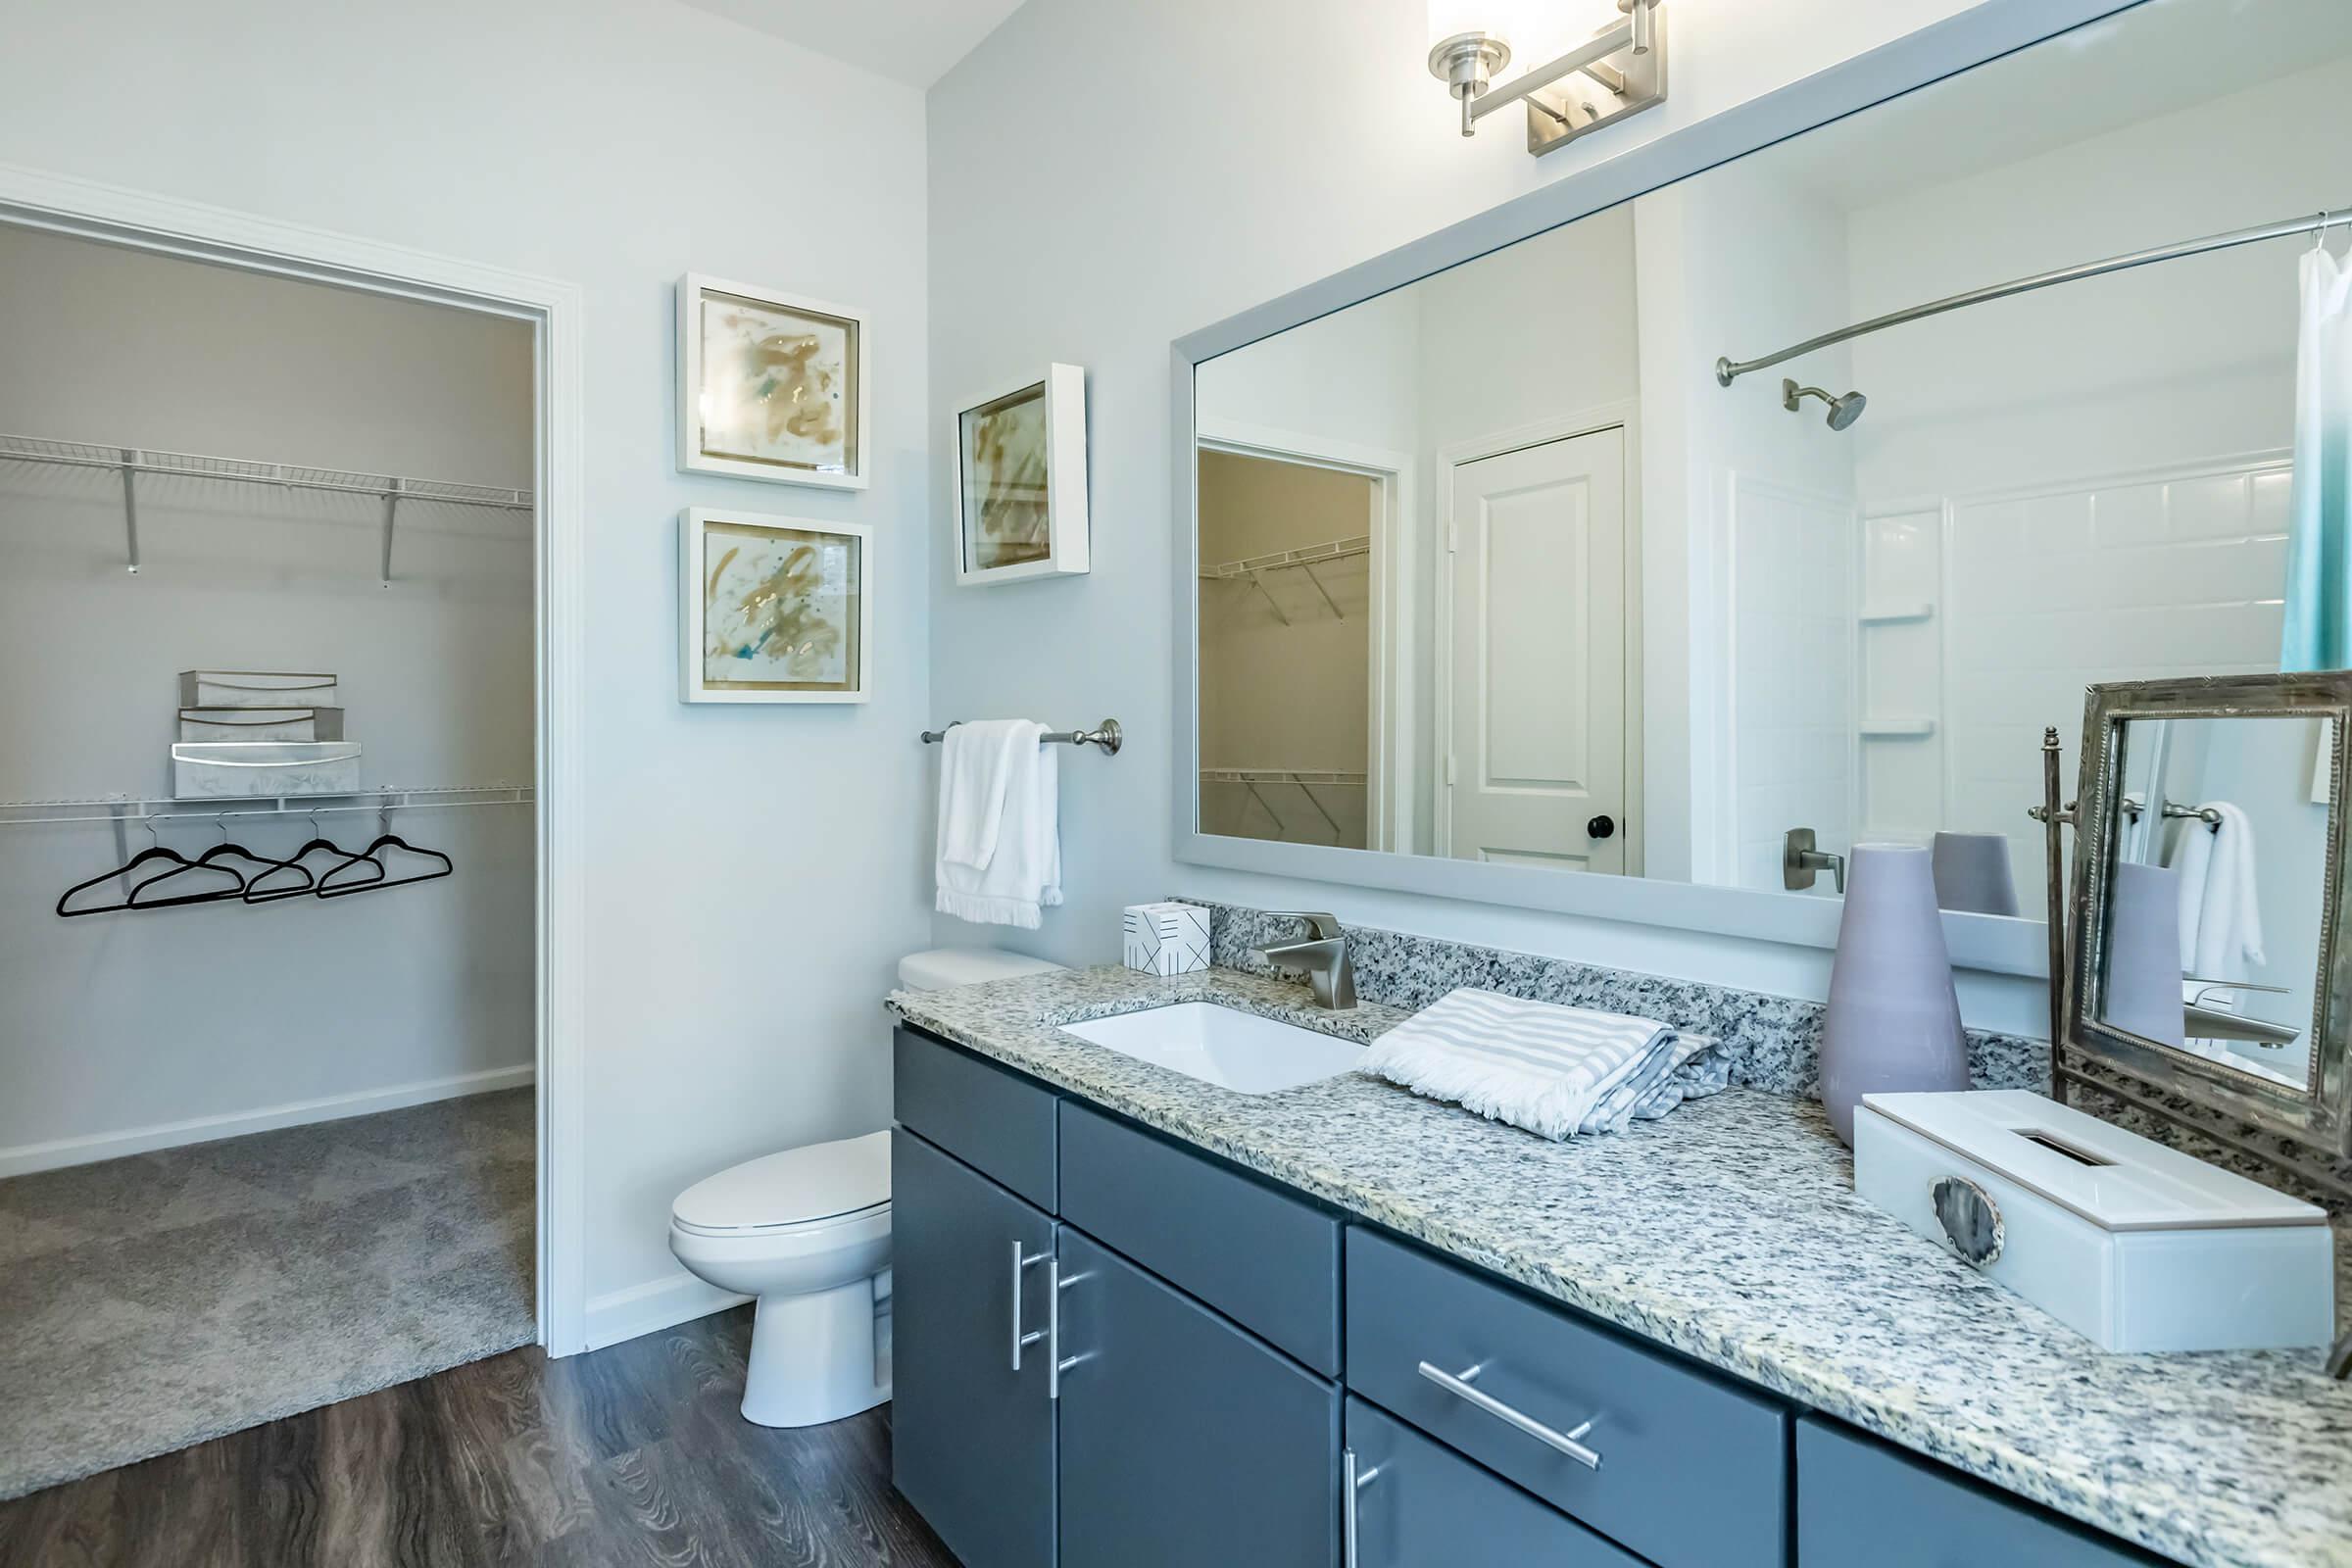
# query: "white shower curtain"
[[2318, 632]]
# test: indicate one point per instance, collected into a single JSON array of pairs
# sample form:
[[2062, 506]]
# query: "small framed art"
[[774, 610], [771, 386], [1021, 480]]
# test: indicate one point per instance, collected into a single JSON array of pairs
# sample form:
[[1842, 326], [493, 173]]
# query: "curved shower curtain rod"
[[1728, 370]]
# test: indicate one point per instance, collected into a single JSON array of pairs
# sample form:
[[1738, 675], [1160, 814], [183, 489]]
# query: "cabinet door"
[[1184, 1440], [1861, 1503], [973, 1438], [1419, 1503]]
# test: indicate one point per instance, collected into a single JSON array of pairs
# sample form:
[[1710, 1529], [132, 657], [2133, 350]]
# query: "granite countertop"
[[1730, 1230]]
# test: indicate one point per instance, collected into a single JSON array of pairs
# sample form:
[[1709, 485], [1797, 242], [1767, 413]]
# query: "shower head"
[[1844, 411]]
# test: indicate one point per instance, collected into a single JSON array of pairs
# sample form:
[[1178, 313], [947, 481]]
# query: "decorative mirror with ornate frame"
[[2212, 957]]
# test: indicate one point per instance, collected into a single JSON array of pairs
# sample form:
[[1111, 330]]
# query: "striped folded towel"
[[1555, 1070]]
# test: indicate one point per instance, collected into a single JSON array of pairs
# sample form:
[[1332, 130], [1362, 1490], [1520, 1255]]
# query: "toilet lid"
[[815, 1182]]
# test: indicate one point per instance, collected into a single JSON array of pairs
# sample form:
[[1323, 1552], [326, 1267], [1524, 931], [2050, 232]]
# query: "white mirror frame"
[[1959, 43]]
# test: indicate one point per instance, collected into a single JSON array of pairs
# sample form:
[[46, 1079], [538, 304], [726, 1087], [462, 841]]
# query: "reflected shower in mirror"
[[2216, 909], [1497, 567]]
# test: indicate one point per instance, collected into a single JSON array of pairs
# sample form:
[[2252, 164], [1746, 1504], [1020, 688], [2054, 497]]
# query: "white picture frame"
[[736, 415], [1047, 410], [832, 618]]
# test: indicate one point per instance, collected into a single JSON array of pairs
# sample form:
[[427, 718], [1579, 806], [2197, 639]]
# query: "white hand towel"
[[2221, 922], [999, 823], [1555, 1070]]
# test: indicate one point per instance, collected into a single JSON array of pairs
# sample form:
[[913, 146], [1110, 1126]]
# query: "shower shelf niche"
[[1891, 615], [1895, 729]]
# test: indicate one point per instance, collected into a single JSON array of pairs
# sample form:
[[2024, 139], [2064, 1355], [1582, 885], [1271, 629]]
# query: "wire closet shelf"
[[156, 811], [132, 462]]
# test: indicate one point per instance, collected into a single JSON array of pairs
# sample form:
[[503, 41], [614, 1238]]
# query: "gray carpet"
[[150, 1302]]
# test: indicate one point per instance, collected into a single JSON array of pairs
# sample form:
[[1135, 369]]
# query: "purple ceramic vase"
[[1893, 1017]]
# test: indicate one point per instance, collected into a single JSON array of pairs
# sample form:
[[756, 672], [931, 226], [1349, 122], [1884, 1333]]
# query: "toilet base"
[[815, 1359]]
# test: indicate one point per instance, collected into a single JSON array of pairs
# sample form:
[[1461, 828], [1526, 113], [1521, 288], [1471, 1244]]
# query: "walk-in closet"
[[268, 826]]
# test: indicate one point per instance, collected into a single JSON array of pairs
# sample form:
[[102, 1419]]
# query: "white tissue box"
[[1167, 937], [2133, 1245]]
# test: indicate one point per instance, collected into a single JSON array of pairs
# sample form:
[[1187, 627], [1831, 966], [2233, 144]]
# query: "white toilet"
[[808, 1232]]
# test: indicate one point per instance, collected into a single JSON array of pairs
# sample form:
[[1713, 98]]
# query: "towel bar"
[[1106, 735]]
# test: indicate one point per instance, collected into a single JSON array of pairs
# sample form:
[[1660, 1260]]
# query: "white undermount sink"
[[1223, 1046]]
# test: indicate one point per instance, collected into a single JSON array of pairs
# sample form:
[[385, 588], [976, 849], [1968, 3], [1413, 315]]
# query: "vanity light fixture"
[[1619, 70]]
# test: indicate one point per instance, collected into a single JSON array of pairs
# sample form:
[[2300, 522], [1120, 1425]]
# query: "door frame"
[[1389, 780], [144, 220], [1624, 416]]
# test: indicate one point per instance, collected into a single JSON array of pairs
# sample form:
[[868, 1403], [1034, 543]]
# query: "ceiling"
[[914, 41]]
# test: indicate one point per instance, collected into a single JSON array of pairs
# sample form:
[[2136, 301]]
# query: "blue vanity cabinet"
[[1863, 1504], [1418, 1502], [1259, 1253], [1184, 1441], [993, 1119], [973, 1438], [1686, 1468]]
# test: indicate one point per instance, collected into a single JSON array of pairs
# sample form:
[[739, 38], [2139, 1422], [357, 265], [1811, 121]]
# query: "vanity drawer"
[[1694, 1469], [1268, 1260], [1862, 1503], [1418, 1502], [994, 1120]]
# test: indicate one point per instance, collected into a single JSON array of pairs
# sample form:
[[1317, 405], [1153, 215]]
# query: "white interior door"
[[1537, 717]]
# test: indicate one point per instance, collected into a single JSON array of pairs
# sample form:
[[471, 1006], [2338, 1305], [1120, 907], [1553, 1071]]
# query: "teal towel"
[[2317, 629]]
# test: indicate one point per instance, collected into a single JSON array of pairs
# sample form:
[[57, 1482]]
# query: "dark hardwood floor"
[[634, 1454]]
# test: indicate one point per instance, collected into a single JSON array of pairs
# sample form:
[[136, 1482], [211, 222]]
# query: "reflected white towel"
[[999, 823], [2220, 925], [1555, 1070]]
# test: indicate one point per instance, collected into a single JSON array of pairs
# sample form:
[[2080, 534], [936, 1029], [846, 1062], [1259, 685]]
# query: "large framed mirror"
[[1492, 587], [2211, 959]]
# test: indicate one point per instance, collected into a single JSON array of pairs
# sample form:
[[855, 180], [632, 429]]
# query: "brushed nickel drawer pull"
[[1457, 1383], [1022, 1259], [1355, 1479]]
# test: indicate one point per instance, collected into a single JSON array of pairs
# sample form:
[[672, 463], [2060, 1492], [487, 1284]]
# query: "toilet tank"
[[944, 967]]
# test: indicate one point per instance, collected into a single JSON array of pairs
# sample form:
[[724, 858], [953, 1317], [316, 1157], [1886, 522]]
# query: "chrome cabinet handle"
[[1022, 1259], [1057, 1364], [1353, 1482], [1458, 1385]]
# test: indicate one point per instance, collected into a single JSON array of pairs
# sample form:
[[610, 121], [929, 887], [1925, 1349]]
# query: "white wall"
[[116, 1032], [1167, 223], [753, 872]]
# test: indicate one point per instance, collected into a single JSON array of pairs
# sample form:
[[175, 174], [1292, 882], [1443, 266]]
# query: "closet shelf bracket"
[[131, 506], [391, 509]]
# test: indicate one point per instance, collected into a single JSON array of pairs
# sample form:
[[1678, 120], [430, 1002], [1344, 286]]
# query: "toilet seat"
[[810, 1189], [796, 1227]]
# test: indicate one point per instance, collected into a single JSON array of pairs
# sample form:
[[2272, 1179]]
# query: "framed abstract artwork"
[[1021, 480], [771, 386], [774, 610]]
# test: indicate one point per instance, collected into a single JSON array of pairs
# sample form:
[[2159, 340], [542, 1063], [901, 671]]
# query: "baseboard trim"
[[25, 1158], [653, 1306]]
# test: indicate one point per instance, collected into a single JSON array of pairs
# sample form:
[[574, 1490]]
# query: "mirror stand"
[[2299, 1131]]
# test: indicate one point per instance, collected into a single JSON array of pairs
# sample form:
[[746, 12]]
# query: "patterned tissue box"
[[1167, 939]]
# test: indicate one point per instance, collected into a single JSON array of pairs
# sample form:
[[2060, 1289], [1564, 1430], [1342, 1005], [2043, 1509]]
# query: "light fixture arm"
[[1625, 64]]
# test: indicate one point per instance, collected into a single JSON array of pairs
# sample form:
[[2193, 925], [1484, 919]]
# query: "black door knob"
[[1600, 827]]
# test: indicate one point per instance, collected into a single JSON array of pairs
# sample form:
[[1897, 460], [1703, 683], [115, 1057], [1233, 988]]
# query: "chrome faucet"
[[1322, 957]]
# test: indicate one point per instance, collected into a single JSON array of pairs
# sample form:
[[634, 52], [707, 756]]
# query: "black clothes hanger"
[[179, 865], [329, 887], [257, 893], [213, 858]]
